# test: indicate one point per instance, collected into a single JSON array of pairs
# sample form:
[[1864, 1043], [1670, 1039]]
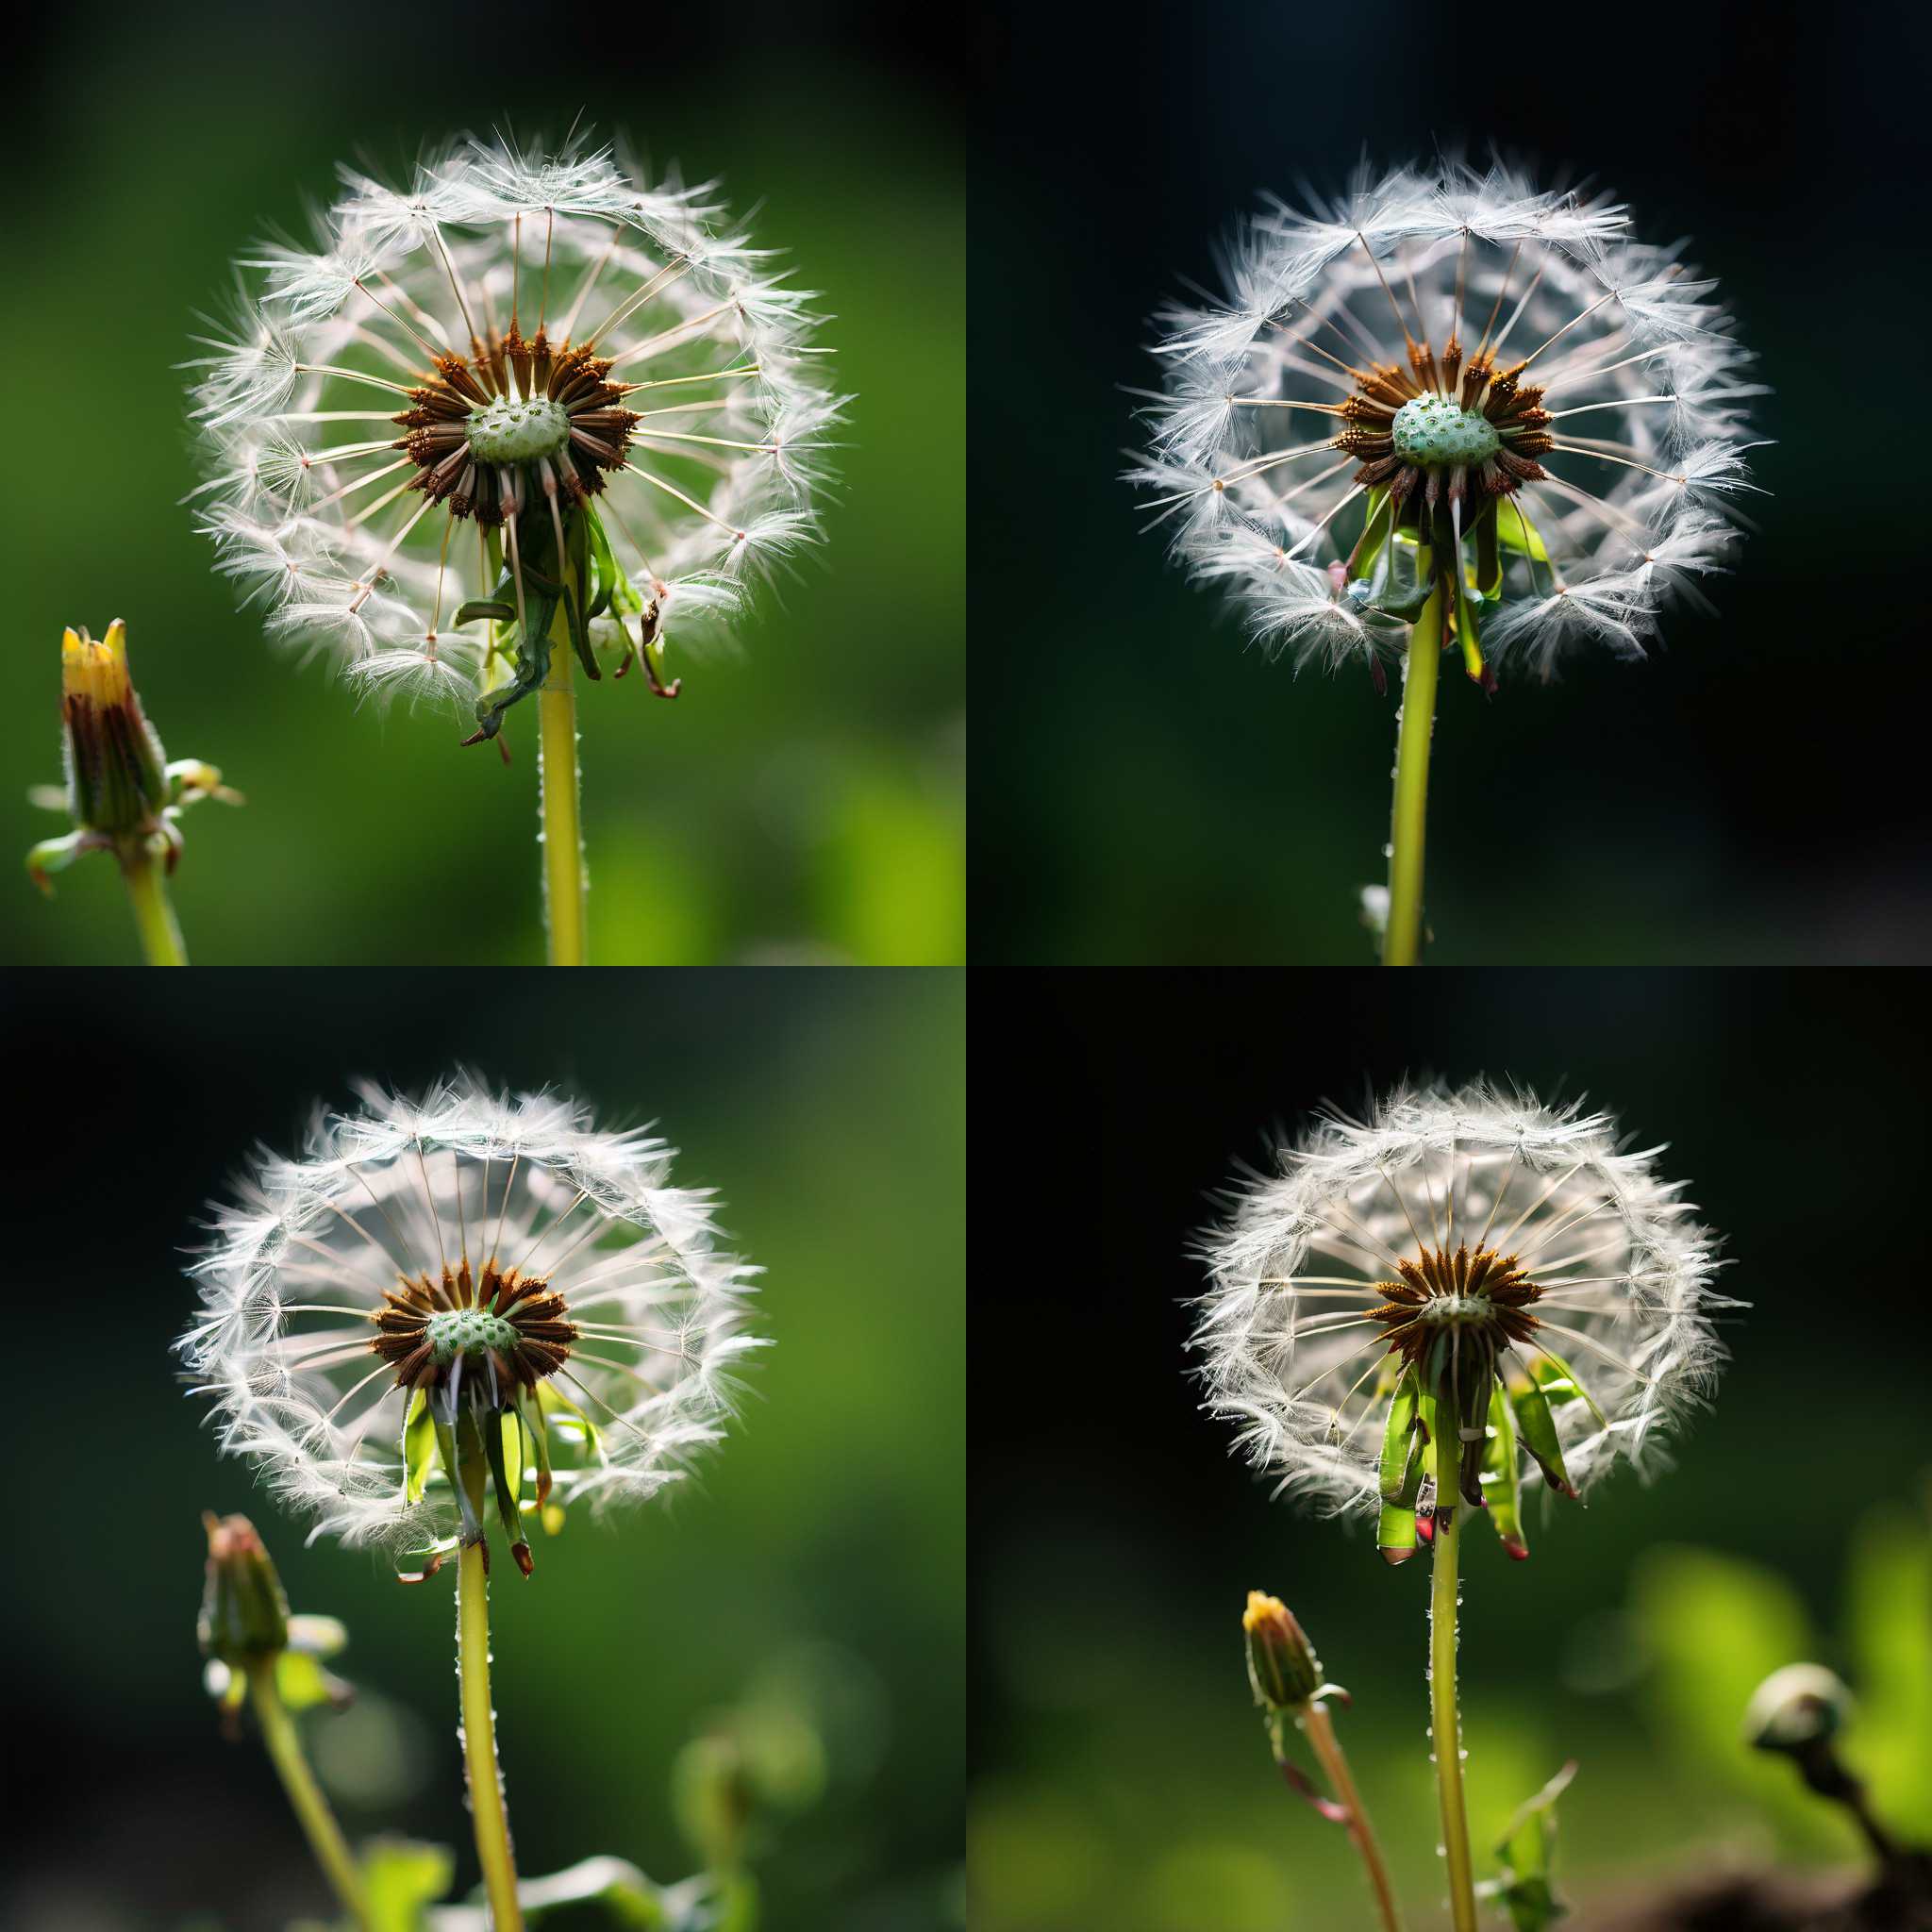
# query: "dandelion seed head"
[[1496, 373], [454, 1257], [456, 373], [1473, 1233]]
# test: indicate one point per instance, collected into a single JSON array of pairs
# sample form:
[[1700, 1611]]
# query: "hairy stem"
[[1319, 1728], [1444, 1718], [487, 1812], [324, 1835], [1402, 942], [154, 916], [563, 851]]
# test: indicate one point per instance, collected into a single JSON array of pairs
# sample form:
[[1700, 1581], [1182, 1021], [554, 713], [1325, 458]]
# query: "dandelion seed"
[[463, 1292]]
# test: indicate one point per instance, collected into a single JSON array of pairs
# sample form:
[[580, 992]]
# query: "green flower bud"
[[244, 1615], [1282, 1667]]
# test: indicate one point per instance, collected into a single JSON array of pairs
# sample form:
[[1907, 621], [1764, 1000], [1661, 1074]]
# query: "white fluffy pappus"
[[399, 418], [1294, 1356], [1588, 379], [464, 1184]]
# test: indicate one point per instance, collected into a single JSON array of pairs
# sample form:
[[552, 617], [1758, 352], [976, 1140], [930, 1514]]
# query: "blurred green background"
[[1150, 789], [1121, 1777], [815, 1564], [803, 799]]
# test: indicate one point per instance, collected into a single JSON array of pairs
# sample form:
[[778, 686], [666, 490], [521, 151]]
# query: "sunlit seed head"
[[1466, 1244], [1479, 369], [542, 344], [492, 1264]]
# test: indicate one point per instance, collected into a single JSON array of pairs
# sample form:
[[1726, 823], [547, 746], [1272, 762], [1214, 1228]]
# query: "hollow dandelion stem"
[[488, 1813], [1319, 1728], [563, 856], [1444, 1715], [283, 1746], [1402, 942], [154, 914]]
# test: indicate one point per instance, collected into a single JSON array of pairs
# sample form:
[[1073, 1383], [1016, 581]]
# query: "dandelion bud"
[[1282, 1666], [1794, 1709], [122, 793], [116, 770], [244, 1614]]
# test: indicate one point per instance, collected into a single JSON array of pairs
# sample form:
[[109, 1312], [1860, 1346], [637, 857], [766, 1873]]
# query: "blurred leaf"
[[302, 1683], [1717, 1626], [1889, 1619], [605, 1894], [1526, 1850], [402, 1879]]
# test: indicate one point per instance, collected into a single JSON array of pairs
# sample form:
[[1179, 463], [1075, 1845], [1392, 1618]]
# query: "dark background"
[[1148, 789], [806, 797], [819, 1553], [1121, 1775]]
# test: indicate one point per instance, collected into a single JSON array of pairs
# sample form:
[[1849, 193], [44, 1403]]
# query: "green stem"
[[486, 1810], [1444, 1719], [285, 1751], [563, 851], [1401, 940], [154, 917], [1319, 1728]]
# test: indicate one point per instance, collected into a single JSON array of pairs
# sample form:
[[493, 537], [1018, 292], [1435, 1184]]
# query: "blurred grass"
[[803, 799]]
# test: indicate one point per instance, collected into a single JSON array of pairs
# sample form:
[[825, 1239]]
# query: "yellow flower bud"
[[1282, 1667]]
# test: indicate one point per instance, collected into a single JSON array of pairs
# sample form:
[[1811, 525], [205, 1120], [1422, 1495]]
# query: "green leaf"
[[419, 1447], [302, 1684], [1526, 1850], [603, 1896], [1515, 531], [400, 1879], [1502, 1477]]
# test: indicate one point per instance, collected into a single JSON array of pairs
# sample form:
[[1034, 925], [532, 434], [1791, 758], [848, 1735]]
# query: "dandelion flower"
[[1468, 1254], [1551, 411], [460, 1292], [526, 401]]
